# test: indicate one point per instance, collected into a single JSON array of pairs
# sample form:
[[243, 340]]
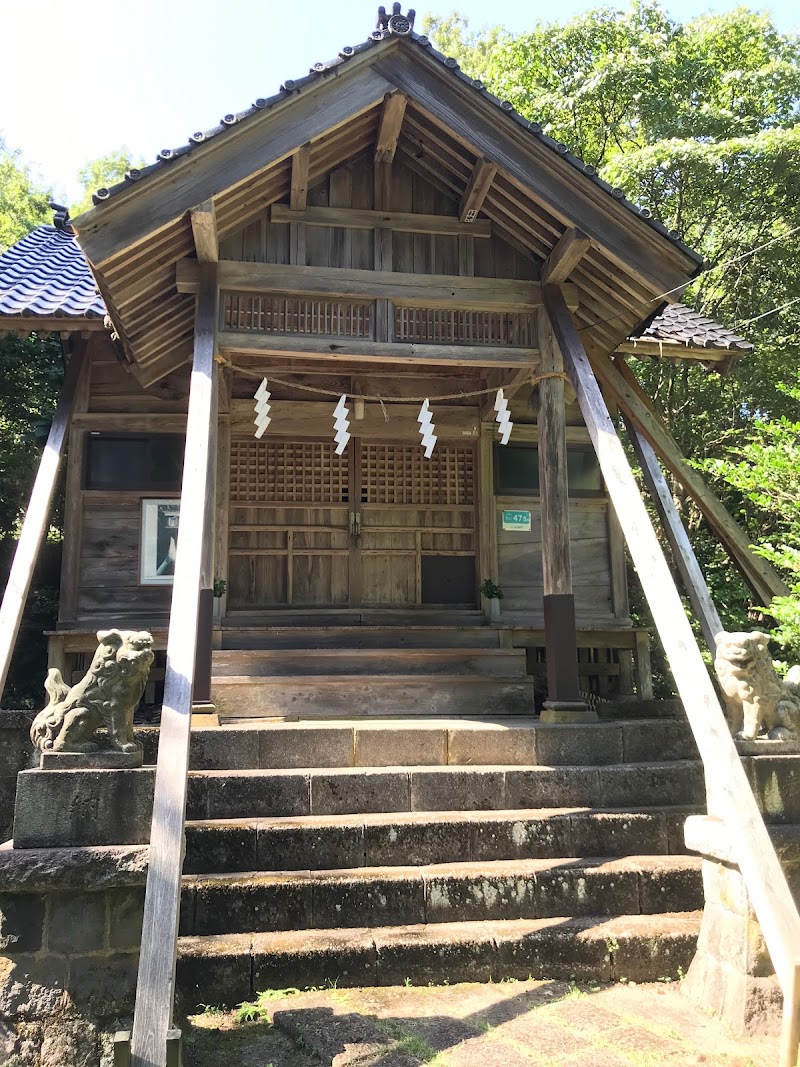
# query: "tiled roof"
[[679, 324], [396, 25], [47, 274]]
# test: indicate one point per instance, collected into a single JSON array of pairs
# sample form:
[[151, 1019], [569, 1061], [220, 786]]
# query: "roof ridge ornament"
[[398, 24], [61, 219]]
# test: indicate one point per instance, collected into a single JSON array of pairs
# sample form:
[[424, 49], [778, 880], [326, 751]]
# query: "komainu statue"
[[757, 700], [105, 698]]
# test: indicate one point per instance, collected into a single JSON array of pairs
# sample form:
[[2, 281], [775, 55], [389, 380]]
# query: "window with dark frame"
[[134, 462], [516, 471]]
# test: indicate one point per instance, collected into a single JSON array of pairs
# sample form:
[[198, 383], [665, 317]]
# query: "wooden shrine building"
[[384, 237]]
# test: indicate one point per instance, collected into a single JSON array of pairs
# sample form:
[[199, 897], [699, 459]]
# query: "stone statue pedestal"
[[109, 759]]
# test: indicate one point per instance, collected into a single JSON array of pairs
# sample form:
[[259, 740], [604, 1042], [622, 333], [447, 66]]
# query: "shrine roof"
[[680, 324], [46, 274]]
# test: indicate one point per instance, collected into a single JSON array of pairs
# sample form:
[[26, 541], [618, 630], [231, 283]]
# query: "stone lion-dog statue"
[[106, 697], [756, 699]]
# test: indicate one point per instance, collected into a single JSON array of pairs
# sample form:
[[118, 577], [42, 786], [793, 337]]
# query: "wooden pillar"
[[156, 982], [201, 692], [37, 515], [563, 702]]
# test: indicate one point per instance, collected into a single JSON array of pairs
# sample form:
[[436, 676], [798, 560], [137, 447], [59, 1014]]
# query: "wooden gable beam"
[[364, 219], [204, 229], [477, 189], [570, 249], [298, 191], [394, 109]]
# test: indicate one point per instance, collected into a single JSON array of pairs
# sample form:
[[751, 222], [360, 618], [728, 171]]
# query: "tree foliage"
[[23, 203], [701, 122], [102, 173]]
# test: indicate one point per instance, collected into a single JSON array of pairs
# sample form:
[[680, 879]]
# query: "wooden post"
[[37, 515], [563, 702], [156, 983], [729, 793], [682, 552]]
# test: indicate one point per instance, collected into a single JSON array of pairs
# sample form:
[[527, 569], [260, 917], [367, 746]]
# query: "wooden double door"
[[378, 526]]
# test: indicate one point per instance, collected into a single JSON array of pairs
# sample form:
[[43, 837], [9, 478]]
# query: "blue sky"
[[80, 78]]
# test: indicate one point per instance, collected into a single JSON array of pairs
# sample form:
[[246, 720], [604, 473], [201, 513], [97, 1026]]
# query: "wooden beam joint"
[[477, 190], [394, 109], [204, 229], [567, 253], [298, 191]]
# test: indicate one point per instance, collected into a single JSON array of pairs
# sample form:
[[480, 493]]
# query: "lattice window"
[[438, 326], [400, 474], [307, 472], [293, 315]]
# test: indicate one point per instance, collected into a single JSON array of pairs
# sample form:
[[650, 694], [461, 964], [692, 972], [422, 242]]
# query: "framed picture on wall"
[[158, 541]]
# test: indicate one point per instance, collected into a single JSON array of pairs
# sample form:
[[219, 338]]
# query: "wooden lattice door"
[[290, 541]]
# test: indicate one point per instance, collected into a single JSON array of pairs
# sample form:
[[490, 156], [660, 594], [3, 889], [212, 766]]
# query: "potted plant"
[[494, 594]]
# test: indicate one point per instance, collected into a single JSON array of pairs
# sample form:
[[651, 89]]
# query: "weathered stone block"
[[443, 839], [454, 897], [233, 905], [646, 740], [70, 1043], [639, 957], [346, 957], [225, 847], [347, 900], [215, 972], [104, 985], [448, 789], [553, 952], [243, 794], [723, 884], [233, 749], [551, 787], [748, 1004], [400, 746], [776, 784], [21, 922], [306, 746], [434, 955], [125, 909], [634, 784], [670, 886], [90, 761], [572, 745], [31, 987], [346, 794], [76, 922], [610, 888], [16, 748], [613, 834], [307, 846], [514, 746], [523, 838], [63, 808]]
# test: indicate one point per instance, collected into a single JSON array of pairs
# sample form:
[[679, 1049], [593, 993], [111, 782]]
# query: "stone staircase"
[[409, 849]]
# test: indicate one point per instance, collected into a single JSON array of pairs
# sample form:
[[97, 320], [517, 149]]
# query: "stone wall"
[[70, 926], [16, 754]]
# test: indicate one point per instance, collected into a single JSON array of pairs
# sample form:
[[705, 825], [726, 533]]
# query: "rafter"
[[204, 230], [394, 109], [298, 192], [479, 184], [567, 253]]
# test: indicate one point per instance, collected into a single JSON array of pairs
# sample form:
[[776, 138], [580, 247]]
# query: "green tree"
[[23, 203], [700, 122], [102, 173]]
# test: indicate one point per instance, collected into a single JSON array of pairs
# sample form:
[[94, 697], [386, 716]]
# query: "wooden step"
[[317, 635], [309, 616], [357, 790], [438, 893], [420, 838], [341, 696], [264, 663], [230, 968]]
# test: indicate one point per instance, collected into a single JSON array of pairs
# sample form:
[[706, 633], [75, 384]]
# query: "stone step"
[[366, 636], [341, 696], [422, 838], [310, 662], [357, 790], [440, 893], [256, 744], [230, 968]]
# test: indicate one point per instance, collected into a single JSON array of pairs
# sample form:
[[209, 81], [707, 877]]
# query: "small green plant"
[[681, 974], [490, 590], [210, 1009], [612, 945], [248, 1012], [220, 588]]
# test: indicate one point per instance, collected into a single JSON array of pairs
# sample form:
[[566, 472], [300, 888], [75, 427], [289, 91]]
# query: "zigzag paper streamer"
[[263, 406], [341, 424], [426, 427], [503, 418]]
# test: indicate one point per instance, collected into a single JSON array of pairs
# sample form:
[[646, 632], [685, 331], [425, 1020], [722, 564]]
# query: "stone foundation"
[[731, 975], [16, 753], [70, 925]]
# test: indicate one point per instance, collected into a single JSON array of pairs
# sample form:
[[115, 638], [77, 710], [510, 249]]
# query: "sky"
[[80, 78]]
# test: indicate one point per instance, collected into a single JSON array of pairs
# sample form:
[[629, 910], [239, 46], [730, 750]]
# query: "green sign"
[[516, 520]]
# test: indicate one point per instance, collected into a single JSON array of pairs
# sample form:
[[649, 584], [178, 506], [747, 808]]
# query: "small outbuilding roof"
[[679, 324], [46, 274]]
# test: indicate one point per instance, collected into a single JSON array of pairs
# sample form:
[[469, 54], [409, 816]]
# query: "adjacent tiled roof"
[[679, 324], [399, 26], [47, 274]]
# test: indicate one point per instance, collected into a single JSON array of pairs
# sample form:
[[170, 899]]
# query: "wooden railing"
[[295, 315], [729, 794], [443, 326]]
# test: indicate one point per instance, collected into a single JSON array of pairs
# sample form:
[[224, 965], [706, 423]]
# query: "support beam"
[[563, 702], [682, 552], [156, 982], [394, 110], [509, 383], [569, 250], [477, 189], [204, 229], [37, 514], [622, 383], [729, 794], [298, 190], [356, 218], [408, 290]]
